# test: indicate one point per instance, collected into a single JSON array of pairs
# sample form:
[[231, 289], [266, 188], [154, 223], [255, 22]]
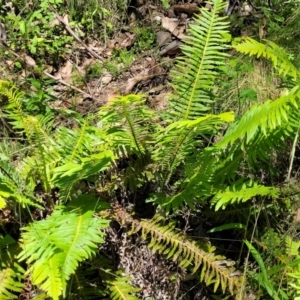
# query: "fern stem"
[[292, 155], [240, 296]]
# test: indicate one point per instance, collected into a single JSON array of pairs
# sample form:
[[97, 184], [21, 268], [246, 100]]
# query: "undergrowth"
[[153, 176]]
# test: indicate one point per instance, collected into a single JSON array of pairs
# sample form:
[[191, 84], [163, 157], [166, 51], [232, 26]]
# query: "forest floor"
[[133, 52]]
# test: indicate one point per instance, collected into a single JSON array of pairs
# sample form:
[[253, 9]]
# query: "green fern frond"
[[69, 174], [120, 289], [270, 51], [197, 70], [14, 97], [241, 192], [214, 269], [181, 139], [54, 247], [264, 118], [13, 187], [11, 273], [131, 120]]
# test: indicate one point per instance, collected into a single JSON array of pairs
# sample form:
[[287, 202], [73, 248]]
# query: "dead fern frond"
[[214, 269]]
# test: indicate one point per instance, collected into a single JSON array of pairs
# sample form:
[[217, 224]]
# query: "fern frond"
[[264, 118], [203, 51], [14, 97], [11, 273], [54, 247], [179, 140], [214, 269], [69, 174], [120, 289], [131, 120], [13, 187], [270, 51], [241, 192]]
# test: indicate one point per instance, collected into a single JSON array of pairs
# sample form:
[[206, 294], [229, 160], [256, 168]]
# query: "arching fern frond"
[[241, 192], [120, 289], [270, 51], [204, 53], [11, 273], [131, 120], [264, 118], [54, 247], [181, 139], [214, 269]]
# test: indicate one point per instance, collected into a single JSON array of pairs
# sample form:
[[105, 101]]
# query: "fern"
[[11, 273], [129, 117], [120, 289], [203, 50], [179, 140], [270, 51], [53, 248], [214, 269], [13, 187], [193, 82], [264, 118], [241, 192]]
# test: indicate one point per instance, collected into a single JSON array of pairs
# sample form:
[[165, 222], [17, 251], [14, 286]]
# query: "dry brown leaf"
[[133, 81], [65, 72], [106, 78], [163, 37], [30, 61], [128, 41], [10, 63], [172, 26]]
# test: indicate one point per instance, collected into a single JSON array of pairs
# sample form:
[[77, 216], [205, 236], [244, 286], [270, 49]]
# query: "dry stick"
[[75, 36]]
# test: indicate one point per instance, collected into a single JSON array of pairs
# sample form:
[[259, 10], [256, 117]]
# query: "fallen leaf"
[[163, 37], [106, 78], [65, 72], [171, 25], [144, 75]]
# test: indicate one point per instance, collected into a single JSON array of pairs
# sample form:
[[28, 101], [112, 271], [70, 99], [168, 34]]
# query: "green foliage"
[[120, 289], [194, 158], [11, 273], [34, 25], [203, 56], [144, 39], [54, 247], [270, 51]]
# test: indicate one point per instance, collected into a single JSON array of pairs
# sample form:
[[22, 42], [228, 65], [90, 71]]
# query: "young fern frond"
[[241, 192], [203, 50], [270, 51], [131, 119], [120, 289], [193, 82], [11, 273], [199, 256], [54, 247], [179, 140]]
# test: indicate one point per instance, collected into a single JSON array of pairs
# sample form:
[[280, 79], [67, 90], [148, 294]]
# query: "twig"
[[69, 85], [75, 36]]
